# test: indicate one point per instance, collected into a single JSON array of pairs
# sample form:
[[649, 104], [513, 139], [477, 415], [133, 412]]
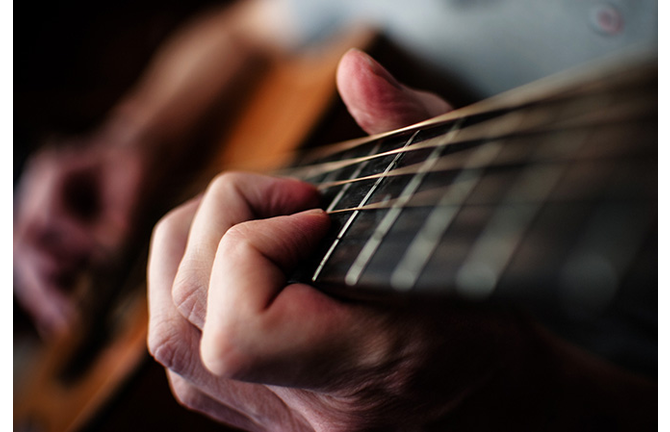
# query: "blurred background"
[[73, 60]]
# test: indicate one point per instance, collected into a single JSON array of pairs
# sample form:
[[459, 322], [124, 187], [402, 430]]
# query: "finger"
[[47, 250], [44, 222], [168, 330], [174, 342], [259, 330], [230, 199], [377, 101], [168, 243], [193, 399], [50, 308]]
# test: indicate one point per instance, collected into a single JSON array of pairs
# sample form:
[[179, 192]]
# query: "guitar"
[[544, 197], [66, 384]]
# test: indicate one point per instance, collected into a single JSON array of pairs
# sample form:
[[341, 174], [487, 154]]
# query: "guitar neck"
[[545, 195]]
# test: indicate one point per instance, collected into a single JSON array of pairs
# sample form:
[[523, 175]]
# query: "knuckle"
[[237, 244], [188, 295], [188, 397], [164, 227], [226, 351], [231, 362], [238, 235], [164, 346], [168, 225], [224, 180]]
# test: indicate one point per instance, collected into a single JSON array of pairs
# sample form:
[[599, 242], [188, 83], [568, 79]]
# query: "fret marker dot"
[[475, 280]]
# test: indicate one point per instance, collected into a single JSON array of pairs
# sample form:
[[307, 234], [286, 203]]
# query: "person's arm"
[[246, 349]]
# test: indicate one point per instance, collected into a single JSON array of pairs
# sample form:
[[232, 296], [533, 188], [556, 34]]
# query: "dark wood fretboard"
[[546, 196]]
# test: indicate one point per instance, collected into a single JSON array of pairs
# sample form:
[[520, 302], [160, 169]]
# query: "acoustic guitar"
[[544, 198], [68, 384]]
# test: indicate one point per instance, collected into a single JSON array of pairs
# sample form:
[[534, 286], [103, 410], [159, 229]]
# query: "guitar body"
[[65, 384]]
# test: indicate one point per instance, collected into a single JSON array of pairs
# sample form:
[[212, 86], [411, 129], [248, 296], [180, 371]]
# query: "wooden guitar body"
[[66, 382]]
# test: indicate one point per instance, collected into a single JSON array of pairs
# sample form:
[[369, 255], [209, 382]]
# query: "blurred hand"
[[74, 208]]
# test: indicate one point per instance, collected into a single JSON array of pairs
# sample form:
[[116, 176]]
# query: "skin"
[[241, 346], [73, 212]]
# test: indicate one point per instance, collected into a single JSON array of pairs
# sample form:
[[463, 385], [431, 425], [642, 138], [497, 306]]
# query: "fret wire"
[[371, 246], [330, 178], [488, 257], [355, 213], [424, 243], [451, 162], [416, 256], [355, 174], [546, 178], [344, 229], [599, 261], [563, 152], [325, 167], [316, 169], [435, 204]]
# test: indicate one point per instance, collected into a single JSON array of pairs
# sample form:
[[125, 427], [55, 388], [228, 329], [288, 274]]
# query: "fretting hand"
[[248, 350]]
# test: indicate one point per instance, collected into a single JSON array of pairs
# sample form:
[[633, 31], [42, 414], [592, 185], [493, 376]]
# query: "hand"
[[74, 208], [248, 350]]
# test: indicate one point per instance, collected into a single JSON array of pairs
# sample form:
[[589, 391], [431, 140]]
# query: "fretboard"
[[545, 194]]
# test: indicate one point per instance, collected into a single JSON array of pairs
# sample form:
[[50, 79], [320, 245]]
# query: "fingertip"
[[289, 195], [372, 95], [376, 100], [358, 72], [317, 219]]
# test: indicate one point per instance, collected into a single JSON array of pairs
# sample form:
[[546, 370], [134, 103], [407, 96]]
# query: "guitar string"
[[435, 202], [397, 203], [481, 108], [430, 197], [389, 219], [474, 134], [551, 89], [454, 162], [353, 215]]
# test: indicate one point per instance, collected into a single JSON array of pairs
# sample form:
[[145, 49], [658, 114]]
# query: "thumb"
[[377, 101]]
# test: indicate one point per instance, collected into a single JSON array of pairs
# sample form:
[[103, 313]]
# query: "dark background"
[[73, 59]]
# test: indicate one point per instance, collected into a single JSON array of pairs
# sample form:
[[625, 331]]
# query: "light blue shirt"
[[493, 45]]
